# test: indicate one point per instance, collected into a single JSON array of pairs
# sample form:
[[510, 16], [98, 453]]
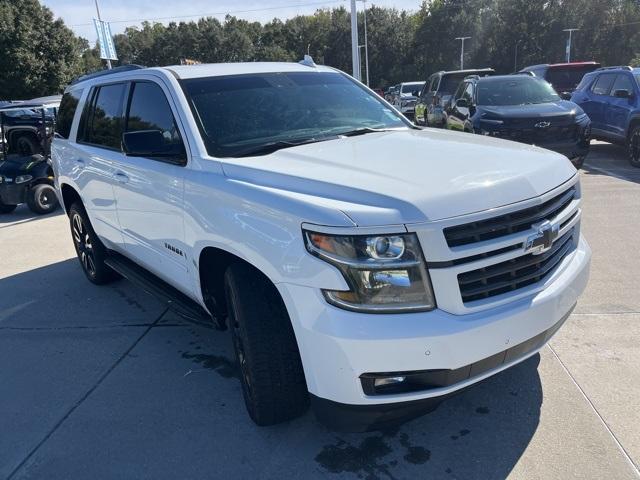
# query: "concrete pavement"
[[101, 382]]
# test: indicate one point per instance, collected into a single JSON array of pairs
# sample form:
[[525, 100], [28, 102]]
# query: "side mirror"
[[565, 95], [152, 143], [416, 93], [462, 103], [622, 93]]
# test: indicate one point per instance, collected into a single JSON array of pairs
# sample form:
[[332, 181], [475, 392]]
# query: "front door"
[[149, 190]]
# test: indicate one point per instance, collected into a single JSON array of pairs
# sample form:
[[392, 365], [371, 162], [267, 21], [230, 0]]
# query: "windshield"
[[518, 90], [409, 88], [241, 111]]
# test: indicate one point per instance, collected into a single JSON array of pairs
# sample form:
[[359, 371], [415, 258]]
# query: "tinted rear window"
[[567, 78], [449, 83], [68, 107]]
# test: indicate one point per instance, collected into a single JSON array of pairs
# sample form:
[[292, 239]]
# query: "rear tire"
[[42, 199], [273, 382], [27, 145], [90, 250], [633, 146]]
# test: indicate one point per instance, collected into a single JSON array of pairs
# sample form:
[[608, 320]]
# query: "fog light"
[[384, 382]]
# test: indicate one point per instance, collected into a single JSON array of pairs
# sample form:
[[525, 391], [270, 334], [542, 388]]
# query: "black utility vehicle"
[[521, 108], [26, 175]]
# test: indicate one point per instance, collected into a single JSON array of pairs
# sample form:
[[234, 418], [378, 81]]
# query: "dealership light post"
[[462, 39], [100, 19], [355, 54], [570, 30]]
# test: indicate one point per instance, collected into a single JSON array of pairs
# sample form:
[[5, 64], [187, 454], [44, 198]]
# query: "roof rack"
[[103, 73], [624, 67]]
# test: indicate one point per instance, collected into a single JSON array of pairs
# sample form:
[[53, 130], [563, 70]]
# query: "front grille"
[[509, 223], [513, 274], [541, 136]]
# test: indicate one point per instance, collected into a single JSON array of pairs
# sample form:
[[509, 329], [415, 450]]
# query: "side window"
[[149, 111], [623, 82], [602, 85], [103, 119], [468, 93], [68, 107], [433, 86]]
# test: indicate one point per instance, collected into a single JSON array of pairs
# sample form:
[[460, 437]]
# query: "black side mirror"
[[565, 95], [151, 143], [622, 93], [462, 103]]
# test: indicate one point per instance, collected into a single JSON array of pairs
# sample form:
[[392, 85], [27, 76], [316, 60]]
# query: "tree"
[[40, 55]]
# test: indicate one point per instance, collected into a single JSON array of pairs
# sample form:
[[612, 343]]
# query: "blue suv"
[[611, 98]]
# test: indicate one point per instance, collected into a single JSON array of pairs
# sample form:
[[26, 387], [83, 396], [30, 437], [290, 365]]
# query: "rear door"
[[617, 115], [96, 149], [150, 190]]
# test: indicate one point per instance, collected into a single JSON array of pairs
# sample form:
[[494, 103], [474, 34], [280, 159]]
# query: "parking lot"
[[102, 382]]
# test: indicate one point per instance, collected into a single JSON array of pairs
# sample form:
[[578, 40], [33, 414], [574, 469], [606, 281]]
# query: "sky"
[[78, 14]]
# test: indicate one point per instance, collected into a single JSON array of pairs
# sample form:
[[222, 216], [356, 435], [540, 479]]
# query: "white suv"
[[362, 264]]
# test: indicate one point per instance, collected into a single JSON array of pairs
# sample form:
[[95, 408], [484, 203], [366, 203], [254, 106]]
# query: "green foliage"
[[40, 55]]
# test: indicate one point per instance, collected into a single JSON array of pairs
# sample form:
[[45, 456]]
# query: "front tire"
[[42, 199], [90, 250], [633, 146], [273, 382]]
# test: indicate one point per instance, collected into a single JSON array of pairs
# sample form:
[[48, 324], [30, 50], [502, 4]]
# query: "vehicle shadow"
[[610, 160], [22, 214], [173, 398]]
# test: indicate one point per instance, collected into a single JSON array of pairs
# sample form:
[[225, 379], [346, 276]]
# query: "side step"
[[168, 295]]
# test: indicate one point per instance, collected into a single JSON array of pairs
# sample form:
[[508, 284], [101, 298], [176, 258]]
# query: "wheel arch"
[[633, 122], [212, 265], [69, 196]]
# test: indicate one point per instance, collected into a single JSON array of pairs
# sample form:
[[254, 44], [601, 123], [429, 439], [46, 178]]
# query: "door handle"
[[121, 177]]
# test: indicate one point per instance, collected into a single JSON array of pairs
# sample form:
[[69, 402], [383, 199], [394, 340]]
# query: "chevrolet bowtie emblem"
[[543, 239], [542, 124]]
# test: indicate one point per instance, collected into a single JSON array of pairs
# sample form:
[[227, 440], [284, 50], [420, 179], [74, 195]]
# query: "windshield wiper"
[[360, 131], [270, 147]]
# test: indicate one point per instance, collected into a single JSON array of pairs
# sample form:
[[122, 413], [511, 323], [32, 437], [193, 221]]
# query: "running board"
[[168, 295]]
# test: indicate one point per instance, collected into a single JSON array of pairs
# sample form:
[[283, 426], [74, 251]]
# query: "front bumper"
[[12, 193], [338, 346]]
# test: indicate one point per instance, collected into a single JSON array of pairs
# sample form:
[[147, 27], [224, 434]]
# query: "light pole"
[[515, 58], [366, 42], [462, 39], [100, 19], [355, 54], [570, 30]]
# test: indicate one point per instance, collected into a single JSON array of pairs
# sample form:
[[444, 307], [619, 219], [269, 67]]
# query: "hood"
[[560, 112], [406, 176]]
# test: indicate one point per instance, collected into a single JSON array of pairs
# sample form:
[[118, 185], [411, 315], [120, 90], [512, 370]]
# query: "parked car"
[[564, 77], [611, 98], [521, 108], [437, 92], [292, 206], [405, 100]]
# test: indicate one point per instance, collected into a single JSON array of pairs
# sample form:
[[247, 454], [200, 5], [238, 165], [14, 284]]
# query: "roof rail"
[[624, 67], [103, 73]]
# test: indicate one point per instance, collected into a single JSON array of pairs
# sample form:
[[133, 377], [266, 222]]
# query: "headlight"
[[385, 273], [581, 118], [23, 178]]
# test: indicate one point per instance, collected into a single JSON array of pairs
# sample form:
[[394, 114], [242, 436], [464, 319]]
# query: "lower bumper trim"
[[368, 417]]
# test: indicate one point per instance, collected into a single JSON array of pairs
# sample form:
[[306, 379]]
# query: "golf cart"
[[26, 175]]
